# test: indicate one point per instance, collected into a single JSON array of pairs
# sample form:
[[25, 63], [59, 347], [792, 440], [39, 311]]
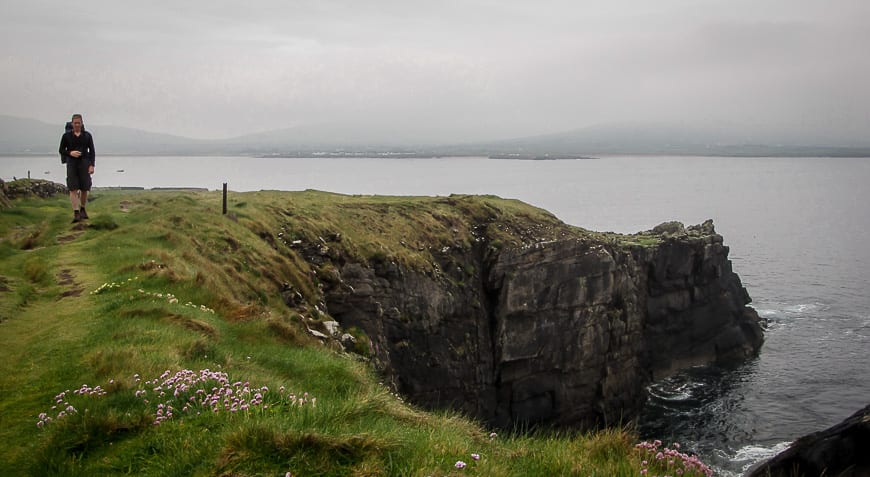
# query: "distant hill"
[[28, 136], [647, 138], [21, 136]]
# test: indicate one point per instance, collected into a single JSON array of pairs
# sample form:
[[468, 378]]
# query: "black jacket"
[[70, 142]]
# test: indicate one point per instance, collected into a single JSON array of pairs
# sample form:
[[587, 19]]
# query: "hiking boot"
[[83, 214], [77, 216]]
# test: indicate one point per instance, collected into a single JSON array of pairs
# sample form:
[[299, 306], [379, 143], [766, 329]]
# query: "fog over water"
[[442, 72]]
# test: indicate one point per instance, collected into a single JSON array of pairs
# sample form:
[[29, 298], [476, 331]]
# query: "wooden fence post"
[[225, 198]]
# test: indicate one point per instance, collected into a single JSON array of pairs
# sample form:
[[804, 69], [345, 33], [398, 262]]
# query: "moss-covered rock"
[[4, 200], [33, 187]]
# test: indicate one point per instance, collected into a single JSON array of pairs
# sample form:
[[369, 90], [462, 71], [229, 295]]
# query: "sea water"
[[798, 230]]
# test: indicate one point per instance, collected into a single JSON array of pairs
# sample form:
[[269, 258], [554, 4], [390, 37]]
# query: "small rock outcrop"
[[567, 332], [839, 451], [33, 187], [4, 199]]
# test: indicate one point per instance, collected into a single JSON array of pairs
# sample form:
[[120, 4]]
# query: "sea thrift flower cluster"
[[188, 392], [210, 391], [461, 464], [670, 460], [63, 406]]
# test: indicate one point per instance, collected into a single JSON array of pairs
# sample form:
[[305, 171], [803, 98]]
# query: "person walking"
[[77, 150]]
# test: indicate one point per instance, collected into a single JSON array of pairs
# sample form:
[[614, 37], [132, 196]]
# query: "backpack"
[[68, 129]]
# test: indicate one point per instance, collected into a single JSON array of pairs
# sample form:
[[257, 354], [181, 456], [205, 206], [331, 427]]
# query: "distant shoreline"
[[860, 153], [163, 189], [544, 157]]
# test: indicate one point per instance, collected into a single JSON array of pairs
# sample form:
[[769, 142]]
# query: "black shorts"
[[77, 177]]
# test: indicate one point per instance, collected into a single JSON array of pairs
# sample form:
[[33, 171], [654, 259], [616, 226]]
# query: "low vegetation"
[[156, 341]]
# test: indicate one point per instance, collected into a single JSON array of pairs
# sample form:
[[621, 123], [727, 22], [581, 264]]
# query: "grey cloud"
[[454, 70]]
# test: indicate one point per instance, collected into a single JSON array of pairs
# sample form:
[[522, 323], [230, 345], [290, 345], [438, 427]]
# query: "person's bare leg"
[[84, 201], [74, 199]]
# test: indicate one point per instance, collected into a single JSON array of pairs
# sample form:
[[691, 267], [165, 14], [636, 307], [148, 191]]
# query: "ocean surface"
[[798, 229]]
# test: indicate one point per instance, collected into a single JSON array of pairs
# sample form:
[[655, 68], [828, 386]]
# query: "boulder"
[[839, 451]]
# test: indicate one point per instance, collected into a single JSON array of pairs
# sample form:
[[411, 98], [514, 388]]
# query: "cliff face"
[[565, 332]]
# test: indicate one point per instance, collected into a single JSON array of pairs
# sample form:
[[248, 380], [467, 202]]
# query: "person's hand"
[[90, 169], [75, 153]]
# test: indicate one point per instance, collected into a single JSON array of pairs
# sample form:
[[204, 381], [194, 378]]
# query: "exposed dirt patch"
[[62, 239], [65, 278], [76, 230], [73, 292], [125, 205]]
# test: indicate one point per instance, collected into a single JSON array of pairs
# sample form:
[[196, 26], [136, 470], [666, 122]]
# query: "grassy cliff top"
[[155, 341]]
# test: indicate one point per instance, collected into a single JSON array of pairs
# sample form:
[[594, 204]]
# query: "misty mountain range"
[[28, 136]]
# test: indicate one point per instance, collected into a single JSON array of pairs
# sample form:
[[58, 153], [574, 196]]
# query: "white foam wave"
[[773, 312], [674, 390], [767, 313], [750, 455], [805, 308], [671, 394]]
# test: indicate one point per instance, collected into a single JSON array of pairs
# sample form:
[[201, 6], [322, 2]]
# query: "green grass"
[[161, 281]]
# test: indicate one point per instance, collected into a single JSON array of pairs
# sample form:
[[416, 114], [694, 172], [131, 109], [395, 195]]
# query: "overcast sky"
[[447, 70]]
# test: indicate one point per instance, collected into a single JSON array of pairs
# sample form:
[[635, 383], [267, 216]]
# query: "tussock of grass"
[[259, 448], [170, 286]]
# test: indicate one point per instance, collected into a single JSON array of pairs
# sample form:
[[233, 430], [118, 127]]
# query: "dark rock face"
[[568, 332], [696, 309], [840, 451]]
